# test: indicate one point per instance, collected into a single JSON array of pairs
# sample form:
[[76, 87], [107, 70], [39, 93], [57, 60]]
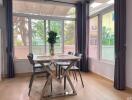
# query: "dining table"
[[41, 59]]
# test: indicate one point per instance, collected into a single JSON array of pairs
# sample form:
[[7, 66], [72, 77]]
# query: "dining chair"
[[75, 68], [59, 64], [37, 69]]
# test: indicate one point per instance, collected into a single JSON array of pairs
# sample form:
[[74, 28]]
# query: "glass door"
[[38, 36], [57, 26]]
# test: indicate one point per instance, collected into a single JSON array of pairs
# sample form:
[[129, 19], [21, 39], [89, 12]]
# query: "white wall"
[[129, 44], [23, 66], [102, 68]]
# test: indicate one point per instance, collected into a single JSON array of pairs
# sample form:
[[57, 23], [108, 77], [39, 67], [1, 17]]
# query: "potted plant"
[[52, 40]]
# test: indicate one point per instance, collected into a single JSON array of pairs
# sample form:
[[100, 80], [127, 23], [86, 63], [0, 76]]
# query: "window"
[[107, 47], [101, 36], [21, 37], [93, 37], [69, 36]]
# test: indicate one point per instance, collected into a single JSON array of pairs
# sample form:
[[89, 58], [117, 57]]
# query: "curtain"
[[120, 44], [9, 25], [82, 39]]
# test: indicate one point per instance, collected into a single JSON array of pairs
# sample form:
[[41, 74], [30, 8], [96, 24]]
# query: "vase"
[[52, 49]]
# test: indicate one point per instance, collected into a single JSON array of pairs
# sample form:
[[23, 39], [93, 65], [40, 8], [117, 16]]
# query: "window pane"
[[108, 36], [93, 37], [69, 36], [57, 27], [38, 37], [21, 40]]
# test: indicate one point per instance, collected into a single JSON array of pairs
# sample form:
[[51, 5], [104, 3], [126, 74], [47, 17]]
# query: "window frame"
[[44, 18], [99, 51]]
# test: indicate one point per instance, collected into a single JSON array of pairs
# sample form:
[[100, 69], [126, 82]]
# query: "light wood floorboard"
[[96, 88]]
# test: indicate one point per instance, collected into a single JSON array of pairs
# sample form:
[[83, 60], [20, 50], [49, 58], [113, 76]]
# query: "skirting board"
[[111, 81]]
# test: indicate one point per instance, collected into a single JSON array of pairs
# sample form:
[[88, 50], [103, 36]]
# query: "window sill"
[[108, 62], [16, 60]]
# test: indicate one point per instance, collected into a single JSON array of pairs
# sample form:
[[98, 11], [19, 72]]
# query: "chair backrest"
[[78, 55], [30, 58], [70, 53], [78, 62]]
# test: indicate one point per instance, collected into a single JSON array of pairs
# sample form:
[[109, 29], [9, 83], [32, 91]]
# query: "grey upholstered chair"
[[37, 69], [75, 69]]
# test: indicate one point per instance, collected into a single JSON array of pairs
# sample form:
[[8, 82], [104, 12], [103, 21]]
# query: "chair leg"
[[51, 86], [75, 75], [30, 84], [56, 71], [59, 71], [64, 82], [81, 78]]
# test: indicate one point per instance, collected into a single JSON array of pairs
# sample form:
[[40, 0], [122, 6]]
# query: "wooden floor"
[[96, 88]]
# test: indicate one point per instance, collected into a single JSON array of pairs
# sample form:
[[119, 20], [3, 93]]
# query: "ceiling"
[[40, 8], [67, 1], [45, 8], [74, 1], [101, 1], [98, 5]]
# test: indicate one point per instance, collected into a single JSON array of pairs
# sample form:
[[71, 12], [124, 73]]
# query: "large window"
[[32, 22], [107, 48], [101, 37], [93, 37], [35, 39]]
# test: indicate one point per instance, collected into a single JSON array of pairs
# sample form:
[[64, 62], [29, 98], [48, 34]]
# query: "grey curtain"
[[82, 39], [9, 25], [120, 44]]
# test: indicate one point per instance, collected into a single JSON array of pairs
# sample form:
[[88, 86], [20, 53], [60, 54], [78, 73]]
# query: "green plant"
[[52, 37]]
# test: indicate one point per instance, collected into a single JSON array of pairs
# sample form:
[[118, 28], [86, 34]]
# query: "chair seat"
[[40, 66], [63, 63], [72, 68]]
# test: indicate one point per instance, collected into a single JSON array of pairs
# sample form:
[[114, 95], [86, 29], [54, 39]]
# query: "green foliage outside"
[[56, 26], [69, 32], [107, 36], [38, 36]]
